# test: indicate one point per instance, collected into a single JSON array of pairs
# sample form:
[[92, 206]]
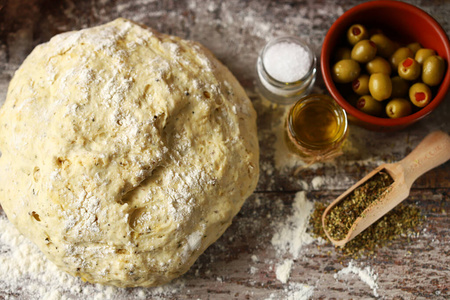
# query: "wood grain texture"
[[410, 268]]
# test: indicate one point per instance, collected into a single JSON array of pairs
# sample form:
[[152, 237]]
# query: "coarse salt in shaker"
[[286, 70]]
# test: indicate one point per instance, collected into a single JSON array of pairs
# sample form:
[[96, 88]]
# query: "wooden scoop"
[[433, 151]]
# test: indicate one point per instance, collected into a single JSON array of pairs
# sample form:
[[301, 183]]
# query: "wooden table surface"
[[242, 263]]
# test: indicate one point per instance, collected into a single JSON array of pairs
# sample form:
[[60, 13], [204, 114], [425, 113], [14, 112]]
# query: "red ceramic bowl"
[[402, 22]]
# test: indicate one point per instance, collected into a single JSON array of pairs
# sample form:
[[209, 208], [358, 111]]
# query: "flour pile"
[[29, 272], [367, 275], [291, 236], [295, 291]]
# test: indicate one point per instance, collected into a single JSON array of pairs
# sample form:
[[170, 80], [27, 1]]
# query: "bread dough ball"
[[125, 152]]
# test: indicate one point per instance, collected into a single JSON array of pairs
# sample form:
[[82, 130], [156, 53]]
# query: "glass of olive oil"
[[316, 127]]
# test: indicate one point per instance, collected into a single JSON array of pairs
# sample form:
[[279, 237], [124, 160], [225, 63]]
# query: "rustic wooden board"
[[410, 268]]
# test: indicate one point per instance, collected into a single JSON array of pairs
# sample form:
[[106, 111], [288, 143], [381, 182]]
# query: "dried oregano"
[[402, 220], [341, 217]]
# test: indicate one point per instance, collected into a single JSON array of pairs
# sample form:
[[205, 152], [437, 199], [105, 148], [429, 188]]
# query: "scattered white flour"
[[283, 270], [291, 235], [317, 182], [294, 291], [367, 275], [35, 277]]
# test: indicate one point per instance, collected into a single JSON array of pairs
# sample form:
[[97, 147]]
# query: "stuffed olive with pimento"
[[388, 79]]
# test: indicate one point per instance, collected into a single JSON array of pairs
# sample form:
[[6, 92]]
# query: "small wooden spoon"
[[433, 151]]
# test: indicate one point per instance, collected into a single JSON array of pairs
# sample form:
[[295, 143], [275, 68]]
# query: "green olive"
[[380, 86], [364, 51], [414, 47], [409, 69], [385, 46], [433, 70], [357, 33], [399, 55], [343, 53], [420, 94], [423, 54], [378, 65], [400, 87], [369, 105], [345, 71], [361, 85], [398, 107]]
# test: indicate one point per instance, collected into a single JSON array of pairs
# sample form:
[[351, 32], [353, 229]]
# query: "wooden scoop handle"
[[433, 151]]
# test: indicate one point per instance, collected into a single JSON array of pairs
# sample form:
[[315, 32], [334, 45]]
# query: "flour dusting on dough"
[[144, 158]]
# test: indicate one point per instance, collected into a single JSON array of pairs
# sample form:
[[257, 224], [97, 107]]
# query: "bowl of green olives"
[[387, 64]]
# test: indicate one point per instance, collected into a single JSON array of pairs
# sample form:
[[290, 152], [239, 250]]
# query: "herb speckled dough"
[[125, 152]]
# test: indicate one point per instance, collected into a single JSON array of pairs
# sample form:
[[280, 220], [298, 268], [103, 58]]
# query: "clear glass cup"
[[316, 127], [286, 92]]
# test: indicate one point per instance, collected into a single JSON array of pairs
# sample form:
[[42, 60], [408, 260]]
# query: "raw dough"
[[125, 152]]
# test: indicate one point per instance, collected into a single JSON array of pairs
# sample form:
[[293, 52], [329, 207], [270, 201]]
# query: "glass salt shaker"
[[286, 70]]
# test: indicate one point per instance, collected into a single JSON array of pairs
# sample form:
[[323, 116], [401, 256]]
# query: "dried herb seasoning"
[[341, 217], [402, 220]]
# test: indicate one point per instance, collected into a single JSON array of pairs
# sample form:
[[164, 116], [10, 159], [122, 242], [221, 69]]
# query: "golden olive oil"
[[315, 123], [316, 128]]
